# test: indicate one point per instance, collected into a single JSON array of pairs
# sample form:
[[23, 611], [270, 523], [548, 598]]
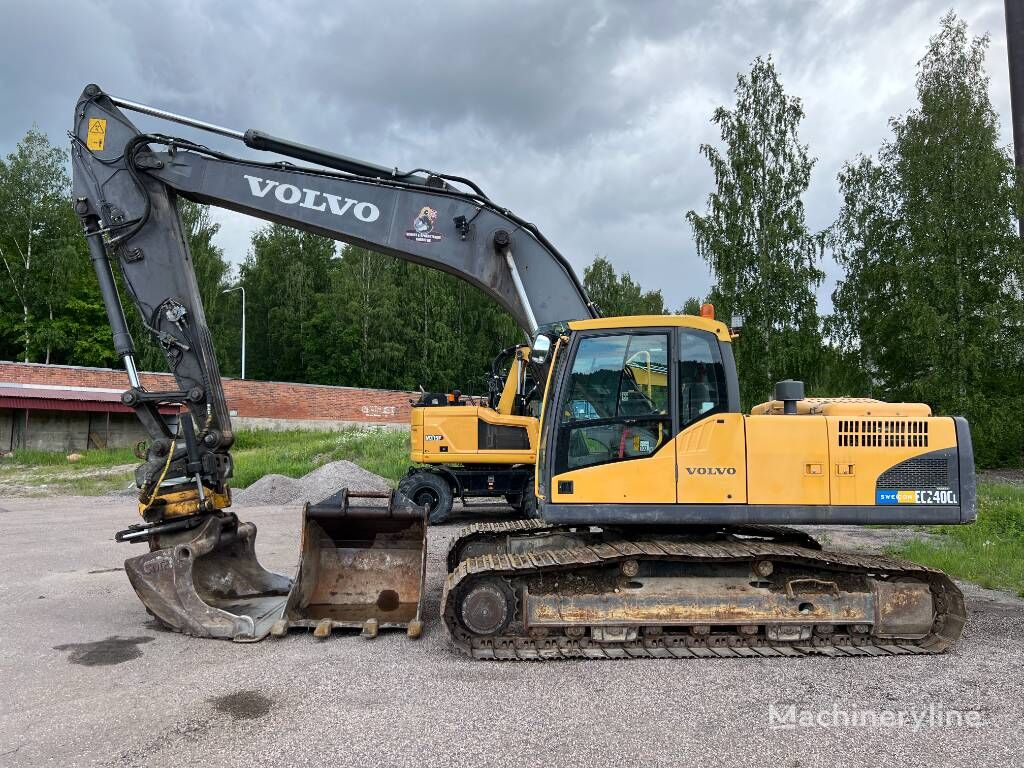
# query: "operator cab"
[[623, 388]]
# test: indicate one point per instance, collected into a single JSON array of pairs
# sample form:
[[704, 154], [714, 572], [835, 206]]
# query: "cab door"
[[711, 447], [614, 429]]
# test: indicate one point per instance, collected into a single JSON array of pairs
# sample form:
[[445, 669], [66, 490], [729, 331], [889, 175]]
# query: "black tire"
[[529, 506], [431, 489], [525, 500]]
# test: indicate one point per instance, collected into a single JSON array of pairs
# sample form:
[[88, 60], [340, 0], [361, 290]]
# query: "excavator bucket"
[[206, 581], [362, 566]]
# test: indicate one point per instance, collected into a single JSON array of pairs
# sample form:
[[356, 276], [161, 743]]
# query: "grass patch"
[[990, 552], [92, 485], [296, 452], [46, 476], [256, 453], [95, 457]]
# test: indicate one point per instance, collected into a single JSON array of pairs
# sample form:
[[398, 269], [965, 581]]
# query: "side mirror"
[[539, 349]]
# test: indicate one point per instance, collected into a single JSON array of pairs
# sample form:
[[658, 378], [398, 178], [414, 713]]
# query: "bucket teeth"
[[370, 628]]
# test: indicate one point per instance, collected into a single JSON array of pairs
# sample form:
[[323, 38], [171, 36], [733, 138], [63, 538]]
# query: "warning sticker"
[[97, 134]]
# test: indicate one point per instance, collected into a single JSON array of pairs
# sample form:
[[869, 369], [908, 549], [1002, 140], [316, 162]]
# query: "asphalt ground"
[[88, 679]]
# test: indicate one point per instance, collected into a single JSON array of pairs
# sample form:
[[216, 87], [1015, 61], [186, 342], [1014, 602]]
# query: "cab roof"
[[654, 321]]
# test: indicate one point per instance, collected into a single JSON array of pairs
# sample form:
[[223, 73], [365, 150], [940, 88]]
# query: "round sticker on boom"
[[423, 227]]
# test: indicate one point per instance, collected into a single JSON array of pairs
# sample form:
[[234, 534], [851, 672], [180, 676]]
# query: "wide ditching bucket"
[[362, 566]]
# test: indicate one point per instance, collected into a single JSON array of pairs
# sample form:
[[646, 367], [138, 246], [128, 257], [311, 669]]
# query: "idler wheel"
[[487, 608]]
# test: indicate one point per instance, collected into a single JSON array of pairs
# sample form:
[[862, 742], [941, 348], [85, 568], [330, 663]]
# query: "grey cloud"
[[585, 118]]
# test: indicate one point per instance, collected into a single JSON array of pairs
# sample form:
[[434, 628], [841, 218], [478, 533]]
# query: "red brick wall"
[[260, 399]]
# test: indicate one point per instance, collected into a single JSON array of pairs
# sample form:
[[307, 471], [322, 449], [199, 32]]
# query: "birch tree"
[[931, 300], [753, 235], [35, 201]]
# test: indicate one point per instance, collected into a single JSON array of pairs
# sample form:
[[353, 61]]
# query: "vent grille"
[[919, 472], [883, 433]]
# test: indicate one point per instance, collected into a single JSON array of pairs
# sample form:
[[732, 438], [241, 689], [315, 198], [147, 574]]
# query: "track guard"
[[361, 567], [207, 582]]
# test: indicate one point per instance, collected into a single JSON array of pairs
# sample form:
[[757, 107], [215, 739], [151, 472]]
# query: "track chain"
[[496, 530], [945, 631], [489, 531]]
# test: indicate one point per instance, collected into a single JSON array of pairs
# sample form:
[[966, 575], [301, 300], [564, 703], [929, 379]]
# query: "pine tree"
[[931, 301], [764, 260]]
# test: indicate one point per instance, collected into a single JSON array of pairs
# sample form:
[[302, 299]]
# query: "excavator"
[[467, 448], [664, 513]]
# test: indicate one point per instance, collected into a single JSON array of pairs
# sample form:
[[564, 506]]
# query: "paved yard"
[[88, 680]]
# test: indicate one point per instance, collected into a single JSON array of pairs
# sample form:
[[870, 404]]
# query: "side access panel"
[[633, 481], [863, 449], [712, 460], [787, 460], [466, 434]]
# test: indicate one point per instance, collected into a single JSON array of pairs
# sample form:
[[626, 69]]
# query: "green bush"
[[990, 552]]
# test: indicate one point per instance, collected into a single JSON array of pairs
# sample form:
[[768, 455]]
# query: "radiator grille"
[[919, 472], [883, 433]]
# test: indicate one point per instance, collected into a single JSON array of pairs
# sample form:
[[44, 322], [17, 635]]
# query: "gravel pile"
[[325, 480], [271, 490]]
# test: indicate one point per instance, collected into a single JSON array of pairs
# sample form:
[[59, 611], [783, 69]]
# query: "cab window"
[[616, 403], [702, 387]]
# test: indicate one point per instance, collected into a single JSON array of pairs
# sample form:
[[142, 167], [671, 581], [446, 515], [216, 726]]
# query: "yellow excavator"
[[663, 511], [466, 447]]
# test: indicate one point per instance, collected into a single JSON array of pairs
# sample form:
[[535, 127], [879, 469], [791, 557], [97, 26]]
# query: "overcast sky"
[[584, 118]]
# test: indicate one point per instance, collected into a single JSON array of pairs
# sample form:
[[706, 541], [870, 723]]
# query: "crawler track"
[[491, 533], [739, 547]]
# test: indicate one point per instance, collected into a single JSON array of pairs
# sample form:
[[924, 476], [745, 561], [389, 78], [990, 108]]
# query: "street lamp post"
[[242, 289], [1015, 53]]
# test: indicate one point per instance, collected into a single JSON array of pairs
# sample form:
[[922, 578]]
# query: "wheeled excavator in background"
[[465, 448], [663, 510]]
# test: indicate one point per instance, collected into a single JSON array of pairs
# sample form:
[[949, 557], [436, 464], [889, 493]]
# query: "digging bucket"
[[204, 579], [362, 566]]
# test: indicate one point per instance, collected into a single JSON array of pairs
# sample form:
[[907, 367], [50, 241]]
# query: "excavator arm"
[[125, 189]]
